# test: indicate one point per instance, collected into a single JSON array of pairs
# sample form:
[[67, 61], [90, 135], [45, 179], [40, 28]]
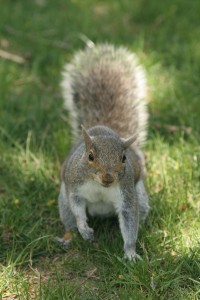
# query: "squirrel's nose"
[[107, 178]]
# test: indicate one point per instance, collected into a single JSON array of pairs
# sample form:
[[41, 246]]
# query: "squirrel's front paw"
[[130, 254], [87, 233]]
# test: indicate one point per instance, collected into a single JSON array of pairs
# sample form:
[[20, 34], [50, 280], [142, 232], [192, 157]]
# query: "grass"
[[35, 137]]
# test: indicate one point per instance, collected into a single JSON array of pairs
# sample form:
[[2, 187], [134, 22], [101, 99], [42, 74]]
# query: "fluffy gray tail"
[[104, 85]]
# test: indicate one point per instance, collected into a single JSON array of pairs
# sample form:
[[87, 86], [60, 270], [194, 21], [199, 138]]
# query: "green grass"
[[35, 137]]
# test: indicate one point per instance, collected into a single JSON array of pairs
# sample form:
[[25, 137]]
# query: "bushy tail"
[[105, 85]]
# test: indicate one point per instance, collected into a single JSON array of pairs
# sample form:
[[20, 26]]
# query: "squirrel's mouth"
[[106, 184], [107, 179]]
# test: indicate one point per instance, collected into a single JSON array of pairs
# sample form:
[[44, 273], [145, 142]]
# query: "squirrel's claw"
[[132, 256], [87, 234]]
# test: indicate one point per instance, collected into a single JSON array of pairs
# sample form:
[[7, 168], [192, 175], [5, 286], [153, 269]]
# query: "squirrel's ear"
[[86, 137], [129, 141]]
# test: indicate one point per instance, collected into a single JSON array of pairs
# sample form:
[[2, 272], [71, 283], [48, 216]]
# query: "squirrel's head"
[[105, 155]]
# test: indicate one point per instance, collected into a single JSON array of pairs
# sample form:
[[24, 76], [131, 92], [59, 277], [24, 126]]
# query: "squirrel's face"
[[106, 158]]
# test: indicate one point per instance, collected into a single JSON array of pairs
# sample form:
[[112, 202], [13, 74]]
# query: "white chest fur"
[[101, 200]]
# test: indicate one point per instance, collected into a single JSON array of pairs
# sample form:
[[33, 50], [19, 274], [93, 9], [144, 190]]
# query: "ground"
[[38, 37]]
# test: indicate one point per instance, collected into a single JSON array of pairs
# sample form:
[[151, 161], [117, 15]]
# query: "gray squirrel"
[[104, 89]]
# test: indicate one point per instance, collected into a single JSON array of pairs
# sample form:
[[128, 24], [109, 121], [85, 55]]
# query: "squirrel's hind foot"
[[66, 240], [64, 243]]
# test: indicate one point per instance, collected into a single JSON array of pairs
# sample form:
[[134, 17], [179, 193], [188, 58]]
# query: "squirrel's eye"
[[91, 156], [123, 158]]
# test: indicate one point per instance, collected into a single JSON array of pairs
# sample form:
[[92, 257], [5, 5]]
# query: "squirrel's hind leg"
[[66, 217]]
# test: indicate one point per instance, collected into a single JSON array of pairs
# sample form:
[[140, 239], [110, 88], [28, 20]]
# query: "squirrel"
[[104, 90]]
